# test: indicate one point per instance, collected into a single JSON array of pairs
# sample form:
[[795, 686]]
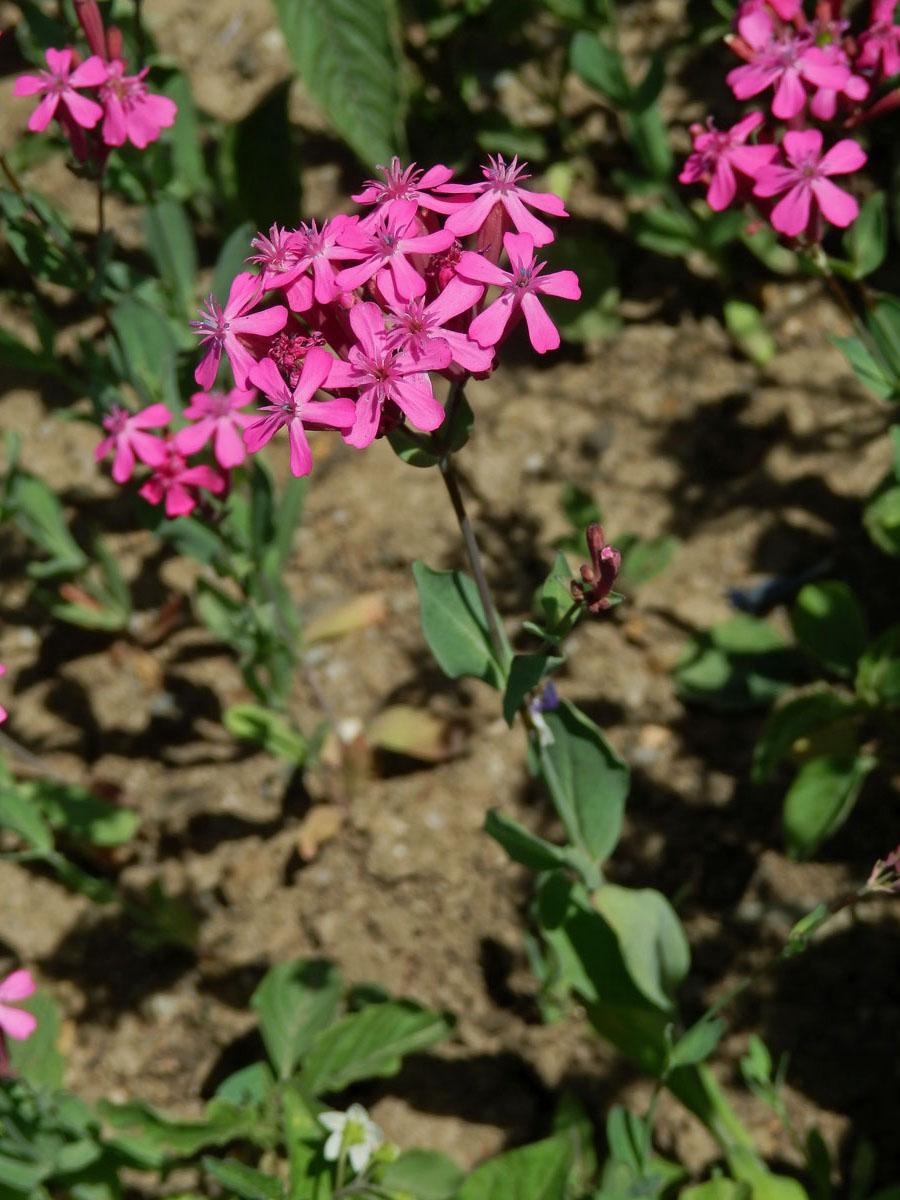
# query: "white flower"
[[353, 1131]]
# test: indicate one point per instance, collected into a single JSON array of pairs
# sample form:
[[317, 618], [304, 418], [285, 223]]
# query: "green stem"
[[451, 482]]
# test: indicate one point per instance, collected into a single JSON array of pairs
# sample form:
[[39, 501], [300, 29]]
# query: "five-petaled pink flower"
[[126, 434], [782, 59], [384, 374], [405, 183], [131, 113], [226, 330], [58, 84], [719, 153], [415, 324], [806, 182], [217, 415], [501, 186], [384, 246], [16, 1022], [176, 483], [521, 288], [296, 408], [880, 43]]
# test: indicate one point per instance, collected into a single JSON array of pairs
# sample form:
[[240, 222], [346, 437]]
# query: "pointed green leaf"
[[242, 1180], [650, 936], [828, 623], [454, 625], [424, 1175], [369, 1044], [535, 1172], [587, 780], [295, 1002], [821, 798], [347, 54]]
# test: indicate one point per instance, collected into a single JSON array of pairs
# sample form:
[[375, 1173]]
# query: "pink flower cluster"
[[816, 75], [370, 307], [95, 92]]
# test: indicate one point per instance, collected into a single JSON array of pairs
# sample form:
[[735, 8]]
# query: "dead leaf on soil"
[[412, 731], [359, 613], [320, 825]]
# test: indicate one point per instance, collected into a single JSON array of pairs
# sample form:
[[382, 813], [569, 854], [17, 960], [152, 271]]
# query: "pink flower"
[[806, 180], [317, 249], [783, 60], [296, 408], [216, 415], [384, 374], [3, 713], [521, 288], [16, 1022], [277, 255], [174, 481], [880, 43], [58, 83], [226, 330], [406, 183], [383, 246], [126, 434], [501, 186], [718, 154], [131, 112], [415, 324]]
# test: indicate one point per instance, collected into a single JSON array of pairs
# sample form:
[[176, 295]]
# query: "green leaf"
[[600, 66], [651, 939], [170, 240], [223, 1123], [803, 930], [821, 798], [302, 1137], [39, 237], [19, 1176], [231, 261], [347, 54], [749, 332], [38, 1059], [649, 137], [799, 718], [867, 369], [15, 354], [883, 322], [189, 175], [674, 232], [451, 437], [244, 1181], [878, 675], [866, 240], [740, 663], [697, 1043], [748, 1168], [39, 515], [581, 510], [553, 600], [521, 845], [260, 173], [525, 673], [717, 1189], [271, 730], [454, 625], [369, 1044], [881, 516], [20, 812], [249, 1085], [535, 1172], [295, 1002], [587, 780], [424, 1175], [83, 815], [644, 559], [829, 624], [147, 350]]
